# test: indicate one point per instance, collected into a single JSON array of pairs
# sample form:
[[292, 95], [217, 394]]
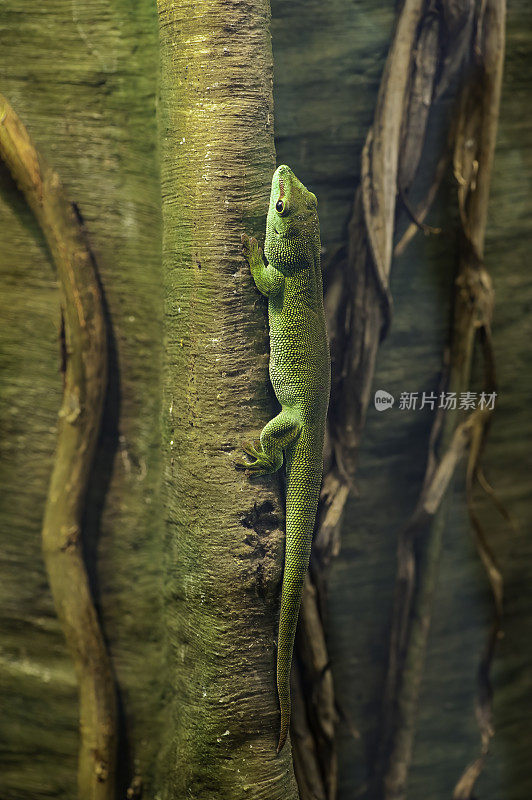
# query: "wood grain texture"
[[83, 78], [84, 353]]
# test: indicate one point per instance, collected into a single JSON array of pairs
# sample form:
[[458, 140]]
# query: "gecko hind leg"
[[267, 453]]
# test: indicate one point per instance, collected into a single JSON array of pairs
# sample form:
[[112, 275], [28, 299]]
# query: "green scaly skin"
[[300, 374]]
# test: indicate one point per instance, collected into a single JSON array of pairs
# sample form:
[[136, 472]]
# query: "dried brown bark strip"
[[430, 46], [306, 762], [420, 212], [85, 375], [370, 247], [316, 684], [479, 118], [474, 142], [358, 306]]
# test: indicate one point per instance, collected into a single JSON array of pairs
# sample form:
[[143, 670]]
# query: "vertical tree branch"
[[225, 533], [85, 371]]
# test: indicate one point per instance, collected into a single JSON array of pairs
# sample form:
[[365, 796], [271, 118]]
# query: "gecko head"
[[292, 227]]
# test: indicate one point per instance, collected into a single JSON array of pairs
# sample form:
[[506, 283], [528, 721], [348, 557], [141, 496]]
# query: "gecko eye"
[[281, 207]]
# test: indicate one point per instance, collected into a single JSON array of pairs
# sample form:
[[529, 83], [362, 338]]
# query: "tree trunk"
[[224, 537]]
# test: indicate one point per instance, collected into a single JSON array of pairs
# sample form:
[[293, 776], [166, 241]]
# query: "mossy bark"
[[224, 538]]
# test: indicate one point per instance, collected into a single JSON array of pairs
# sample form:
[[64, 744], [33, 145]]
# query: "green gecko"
[[300, 374]]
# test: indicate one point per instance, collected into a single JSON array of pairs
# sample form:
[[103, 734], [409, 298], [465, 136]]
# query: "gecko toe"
[[251, 450]]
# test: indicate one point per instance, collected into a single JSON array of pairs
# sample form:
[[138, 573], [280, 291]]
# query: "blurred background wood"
[[83, 79], [392, 458]]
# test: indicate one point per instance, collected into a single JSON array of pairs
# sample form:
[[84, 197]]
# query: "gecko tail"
[[285, 724], [283, 689], [301, 502], [284, 663]]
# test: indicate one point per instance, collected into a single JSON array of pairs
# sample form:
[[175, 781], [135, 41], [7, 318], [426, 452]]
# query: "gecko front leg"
[[268, 280]]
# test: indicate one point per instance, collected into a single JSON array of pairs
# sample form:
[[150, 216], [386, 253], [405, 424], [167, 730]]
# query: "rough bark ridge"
[[224, 533], [85, 372]]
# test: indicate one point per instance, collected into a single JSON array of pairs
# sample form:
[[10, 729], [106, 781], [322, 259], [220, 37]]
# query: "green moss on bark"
[[224, 533]]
